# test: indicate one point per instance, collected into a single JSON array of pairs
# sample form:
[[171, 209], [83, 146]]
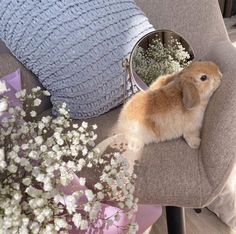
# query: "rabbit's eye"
[[203, 78]]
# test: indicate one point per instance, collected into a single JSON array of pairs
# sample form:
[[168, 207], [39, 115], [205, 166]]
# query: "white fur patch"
[[138, 134]]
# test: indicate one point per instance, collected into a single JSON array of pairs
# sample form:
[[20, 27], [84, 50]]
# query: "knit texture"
[[75, 47]]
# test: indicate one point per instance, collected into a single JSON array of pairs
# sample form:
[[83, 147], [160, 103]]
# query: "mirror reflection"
[[158, 53]]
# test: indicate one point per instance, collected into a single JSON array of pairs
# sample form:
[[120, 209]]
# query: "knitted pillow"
[[75, 48]]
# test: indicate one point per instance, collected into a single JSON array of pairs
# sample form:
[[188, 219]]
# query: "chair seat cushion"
[[167, 173]]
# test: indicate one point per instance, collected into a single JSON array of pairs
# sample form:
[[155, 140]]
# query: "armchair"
[[201, 24], [171, 173]]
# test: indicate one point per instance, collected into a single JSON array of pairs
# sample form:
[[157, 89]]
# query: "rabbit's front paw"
[[193, 142]]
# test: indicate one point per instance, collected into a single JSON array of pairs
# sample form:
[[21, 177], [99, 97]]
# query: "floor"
[[204, 223]]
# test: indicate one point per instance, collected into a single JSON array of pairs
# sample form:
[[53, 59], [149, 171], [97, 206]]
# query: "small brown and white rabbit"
[[172, 107]]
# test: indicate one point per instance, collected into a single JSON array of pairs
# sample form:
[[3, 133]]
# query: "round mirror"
[[158, 53]]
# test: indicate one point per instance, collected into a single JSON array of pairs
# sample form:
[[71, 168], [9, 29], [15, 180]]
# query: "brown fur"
[[172, 107]]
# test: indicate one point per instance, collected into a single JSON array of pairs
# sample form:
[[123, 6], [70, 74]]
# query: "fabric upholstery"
[[218, 147], [199, 22], [3, 48], [202, 25], [76, 48], [158, 169], [162, 178]]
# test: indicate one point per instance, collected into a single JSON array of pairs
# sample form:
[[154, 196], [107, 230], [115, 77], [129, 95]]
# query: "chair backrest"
[[199, 22]]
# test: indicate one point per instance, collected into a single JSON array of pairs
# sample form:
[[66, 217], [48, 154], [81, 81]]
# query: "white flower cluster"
[[159, 59], [3, 87], [38, 156], [3, 101], [117, 185]]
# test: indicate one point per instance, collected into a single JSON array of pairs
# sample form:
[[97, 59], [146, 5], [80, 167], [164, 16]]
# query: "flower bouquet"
[[41, 158]]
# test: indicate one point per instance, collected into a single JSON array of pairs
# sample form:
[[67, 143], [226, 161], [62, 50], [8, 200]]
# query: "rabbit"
[[172, 107]]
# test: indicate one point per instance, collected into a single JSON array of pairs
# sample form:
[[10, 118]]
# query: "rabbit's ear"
[[191, 96]]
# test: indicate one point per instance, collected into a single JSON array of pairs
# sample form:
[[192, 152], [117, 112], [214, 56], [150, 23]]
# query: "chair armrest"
[[218, 148]]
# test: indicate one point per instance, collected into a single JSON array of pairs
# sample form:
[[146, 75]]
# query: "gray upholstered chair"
[[171, 173]]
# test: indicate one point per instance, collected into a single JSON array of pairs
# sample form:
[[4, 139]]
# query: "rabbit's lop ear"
[[191, 96]]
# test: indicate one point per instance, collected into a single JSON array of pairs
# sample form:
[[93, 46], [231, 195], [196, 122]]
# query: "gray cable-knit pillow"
[[75, 47]]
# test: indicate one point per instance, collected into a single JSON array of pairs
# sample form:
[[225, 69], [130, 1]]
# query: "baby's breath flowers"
[[3, 87], [159, 59], [40, 155], [3, 101], [3, 105]]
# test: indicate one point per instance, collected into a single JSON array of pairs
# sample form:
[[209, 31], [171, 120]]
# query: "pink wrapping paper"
[[145, 216]]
